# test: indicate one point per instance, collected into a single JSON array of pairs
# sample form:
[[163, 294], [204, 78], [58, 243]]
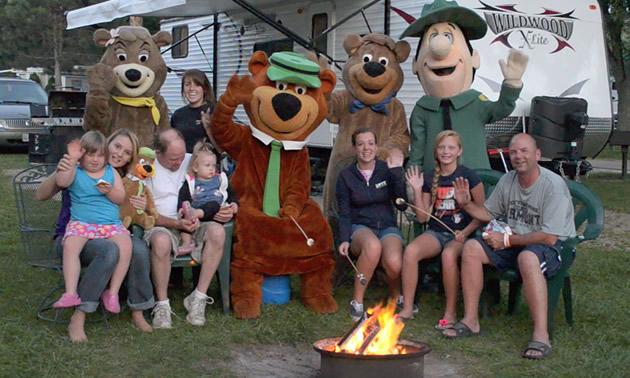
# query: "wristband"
[[506, 240]]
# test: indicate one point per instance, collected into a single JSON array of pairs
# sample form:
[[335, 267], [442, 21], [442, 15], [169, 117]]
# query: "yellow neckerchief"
[[139, 102]]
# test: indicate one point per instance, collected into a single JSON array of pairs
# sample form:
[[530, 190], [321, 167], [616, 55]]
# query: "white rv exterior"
[[563, 38]]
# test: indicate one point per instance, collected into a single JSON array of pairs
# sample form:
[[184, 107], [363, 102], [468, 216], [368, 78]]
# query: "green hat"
[[293, 68], [473, 26], [146, 151]]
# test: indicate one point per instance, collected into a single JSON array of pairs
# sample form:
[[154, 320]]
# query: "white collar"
[[289, 145], [134, 178]]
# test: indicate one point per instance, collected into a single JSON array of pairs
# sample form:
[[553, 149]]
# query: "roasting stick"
[[361, 277], [400, 201], [310, 242]]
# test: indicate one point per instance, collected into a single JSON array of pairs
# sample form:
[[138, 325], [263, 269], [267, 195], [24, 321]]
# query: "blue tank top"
[[88, 204]]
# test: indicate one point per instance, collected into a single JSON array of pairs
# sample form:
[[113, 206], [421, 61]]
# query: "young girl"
[[436, 195], [203, 193], [96, 190]]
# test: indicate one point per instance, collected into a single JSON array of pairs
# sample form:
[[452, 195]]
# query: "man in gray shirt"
[[537, 205]]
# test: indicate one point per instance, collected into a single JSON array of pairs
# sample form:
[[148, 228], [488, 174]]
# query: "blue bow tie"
[[381, 107]]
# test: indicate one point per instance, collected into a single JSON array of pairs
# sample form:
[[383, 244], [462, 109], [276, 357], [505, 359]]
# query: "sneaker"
[[110, 302], [196, 308], [356, 310], [400, 302], [162, 316], [67, 300]]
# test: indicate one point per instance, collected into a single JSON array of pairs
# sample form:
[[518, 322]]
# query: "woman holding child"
[[101, 256], [365, 194]]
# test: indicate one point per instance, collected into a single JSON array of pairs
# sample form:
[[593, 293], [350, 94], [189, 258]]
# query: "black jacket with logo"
[[368, 203]]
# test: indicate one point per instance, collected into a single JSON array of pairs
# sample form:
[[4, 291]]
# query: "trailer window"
[[320, 23], [270, 47], [180, 33]]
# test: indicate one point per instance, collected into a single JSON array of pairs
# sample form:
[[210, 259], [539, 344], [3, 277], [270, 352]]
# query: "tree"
[[617, 24], [34, 34]]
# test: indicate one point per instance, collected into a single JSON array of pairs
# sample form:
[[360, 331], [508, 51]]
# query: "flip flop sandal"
[[544, 349], [443, 324], [462, 330]]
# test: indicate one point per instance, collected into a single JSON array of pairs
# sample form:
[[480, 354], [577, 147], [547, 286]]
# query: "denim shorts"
[[505, 259], [442, 237], [381, 234]]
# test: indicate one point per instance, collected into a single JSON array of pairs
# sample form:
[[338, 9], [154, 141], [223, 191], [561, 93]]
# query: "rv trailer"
[[564, 40]]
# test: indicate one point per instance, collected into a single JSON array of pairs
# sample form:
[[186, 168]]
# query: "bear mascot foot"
[[246, 308], [323, 304]]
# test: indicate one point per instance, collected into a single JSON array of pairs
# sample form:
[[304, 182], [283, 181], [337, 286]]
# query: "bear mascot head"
[[123, 87]]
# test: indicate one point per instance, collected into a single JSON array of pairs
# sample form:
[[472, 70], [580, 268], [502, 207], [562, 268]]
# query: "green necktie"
[[271, 197]]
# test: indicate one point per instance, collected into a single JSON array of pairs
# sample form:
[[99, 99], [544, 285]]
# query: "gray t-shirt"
[[545, 206]]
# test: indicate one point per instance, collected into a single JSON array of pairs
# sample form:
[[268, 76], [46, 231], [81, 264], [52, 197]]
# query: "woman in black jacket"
[[366, 192]]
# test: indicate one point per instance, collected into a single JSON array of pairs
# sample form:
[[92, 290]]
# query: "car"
[[19, 100]]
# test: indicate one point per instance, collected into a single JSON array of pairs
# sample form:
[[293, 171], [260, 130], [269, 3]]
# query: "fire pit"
[[372, 349]]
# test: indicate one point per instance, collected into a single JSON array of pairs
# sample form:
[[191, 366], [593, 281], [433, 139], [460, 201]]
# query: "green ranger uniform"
[[470, 111]]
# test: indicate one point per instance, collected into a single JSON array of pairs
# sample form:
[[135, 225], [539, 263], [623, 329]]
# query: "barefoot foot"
[[138, 320], [75, 328]]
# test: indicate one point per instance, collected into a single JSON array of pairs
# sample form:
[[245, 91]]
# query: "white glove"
[[514, 69]]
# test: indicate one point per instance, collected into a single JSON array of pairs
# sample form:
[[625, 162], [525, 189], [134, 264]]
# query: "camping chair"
[[36, 221], [589, 222], [223, 270]]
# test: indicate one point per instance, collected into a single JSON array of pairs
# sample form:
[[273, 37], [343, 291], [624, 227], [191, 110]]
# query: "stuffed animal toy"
[[372, 75], [123, 87], [284, 100], [140, 169], [445, 64]]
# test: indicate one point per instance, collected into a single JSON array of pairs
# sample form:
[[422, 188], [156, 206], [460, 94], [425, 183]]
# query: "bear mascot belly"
[[284, 100]]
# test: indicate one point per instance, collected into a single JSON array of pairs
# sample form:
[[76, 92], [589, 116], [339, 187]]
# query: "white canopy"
[[110, 10]]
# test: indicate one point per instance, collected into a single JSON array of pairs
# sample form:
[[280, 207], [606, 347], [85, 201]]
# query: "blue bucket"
[[276, 289]]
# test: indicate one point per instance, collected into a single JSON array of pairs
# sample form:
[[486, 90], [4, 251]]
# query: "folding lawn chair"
[[36, 220]]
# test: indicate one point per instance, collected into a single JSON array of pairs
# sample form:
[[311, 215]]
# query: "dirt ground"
[[614, 234], [300, 360]]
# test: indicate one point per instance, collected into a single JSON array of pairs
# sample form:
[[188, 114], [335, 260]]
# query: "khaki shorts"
[[176, 239]]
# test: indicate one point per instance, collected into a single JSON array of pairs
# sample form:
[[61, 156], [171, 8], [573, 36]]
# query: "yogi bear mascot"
[[123, 87], [284, 100], [445, 63], [372, 75]]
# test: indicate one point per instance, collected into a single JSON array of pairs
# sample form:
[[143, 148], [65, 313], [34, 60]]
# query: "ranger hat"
[[473, 26], [293, 68]]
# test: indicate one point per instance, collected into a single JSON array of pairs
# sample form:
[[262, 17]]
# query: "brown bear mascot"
[[123, 87], [372, 76], [284, 99], [141, 168]]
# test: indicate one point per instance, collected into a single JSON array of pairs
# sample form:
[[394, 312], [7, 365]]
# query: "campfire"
[[371, 348], [375, 333]]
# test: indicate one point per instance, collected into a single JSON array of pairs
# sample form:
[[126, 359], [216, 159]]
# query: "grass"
[[598, 344], [610, 153]]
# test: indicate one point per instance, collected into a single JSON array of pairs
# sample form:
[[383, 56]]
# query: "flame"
[[385, 341]]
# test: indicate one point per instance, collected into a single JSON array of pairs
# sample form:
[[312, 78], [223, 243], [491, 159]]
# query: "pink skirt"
[[93, 231]]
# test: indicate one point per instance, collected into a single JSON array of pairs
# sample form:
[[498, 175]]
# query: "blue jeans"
[[99, 257]]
